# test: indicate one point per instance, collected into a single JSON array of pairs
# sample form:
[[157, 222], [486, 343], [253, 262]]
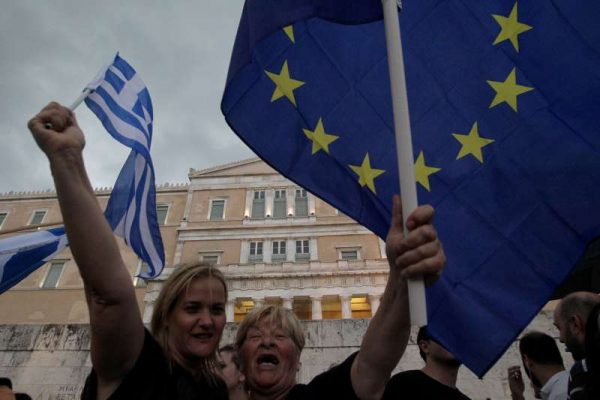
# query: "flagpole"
[[86, 92], [404, 149]]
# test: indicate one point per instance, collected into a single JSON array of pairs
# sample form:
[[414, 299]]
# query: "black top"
[[333, 384], [577, 379], [152, 378], [415, 384]]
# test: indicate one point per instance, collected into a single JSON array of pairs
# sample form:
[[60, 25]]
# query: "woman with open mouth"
[[178, 359], [270, 338]]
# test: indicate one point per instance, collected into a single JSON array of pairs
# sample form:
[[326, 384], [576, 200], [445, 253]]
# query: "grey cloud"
[[182, 50]]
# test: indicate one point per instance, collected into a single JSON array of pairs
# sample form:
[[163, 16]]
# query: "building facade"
[[275, 242]]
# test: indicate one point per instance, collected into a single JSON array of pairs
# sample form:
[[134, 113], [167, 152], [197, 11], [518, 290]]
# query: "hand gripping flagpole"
[[404, 149]]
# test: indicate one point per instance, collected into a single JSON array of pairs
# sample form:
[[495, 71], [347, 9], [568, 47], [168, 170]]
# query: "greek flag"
[[23, 254], [121, 101]]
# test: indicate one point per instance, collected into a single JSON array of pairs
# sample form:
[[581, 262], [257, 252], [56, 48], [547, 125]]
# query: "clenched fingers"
[[422, 215], [57, 116], [429, 268]]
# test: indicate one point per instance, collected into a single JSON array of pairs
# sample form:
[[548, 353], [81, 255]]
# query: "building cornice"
[[193, 173], [50, 194], [270, 231]]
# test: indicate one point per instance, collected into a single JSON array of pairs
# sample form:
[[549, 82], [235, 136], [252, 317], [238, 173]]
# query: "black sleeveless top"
[[152, 378]]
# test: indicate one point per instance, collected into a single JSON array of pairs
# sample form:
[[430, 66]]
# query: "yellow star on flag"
[[423, 171], [289, 31], [320, 139], [507, 91], [284, 84], [366, 174], [511, 28], [472, 143]]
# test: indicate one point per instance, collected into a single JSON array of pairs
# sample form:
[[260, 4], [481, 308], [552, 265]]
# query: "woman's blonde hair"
[[177, 284], [275, 315]]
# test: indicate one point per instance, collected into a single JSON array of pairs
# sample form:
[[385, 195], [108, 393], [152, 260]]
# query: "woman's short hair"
[[275, 315], [179, 282]]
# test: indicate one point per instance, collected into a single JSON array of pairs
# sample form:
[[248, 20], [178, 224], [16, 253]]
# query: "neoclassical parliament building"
[[275, 242]]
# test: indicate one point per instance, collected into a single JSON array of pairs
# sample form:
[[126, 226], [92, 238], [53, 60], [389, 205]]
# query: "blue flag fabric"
[[504, 108], [122, 102], [23, 254]]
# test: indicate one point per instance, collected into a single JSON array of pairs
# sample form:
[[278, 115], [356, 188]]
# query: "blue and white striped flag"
[[121, 101], [23, 254]]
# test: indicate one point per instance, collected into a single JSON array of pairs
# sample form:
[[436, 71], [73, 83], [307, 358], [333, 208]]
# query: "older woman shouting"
[[270, 339]]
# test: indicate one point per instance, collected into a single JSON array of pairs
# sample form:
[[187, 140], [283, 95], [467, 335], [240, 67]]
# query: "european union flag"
[[504, 99]]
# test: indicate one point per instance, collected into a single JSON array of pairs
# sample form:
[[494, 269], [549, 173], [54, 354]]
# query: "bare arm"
[[116, 324], [420, 253]]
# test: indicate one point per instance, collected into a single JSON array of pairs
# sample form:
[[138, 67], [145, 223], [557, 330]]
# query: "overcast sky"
[[49, 50]]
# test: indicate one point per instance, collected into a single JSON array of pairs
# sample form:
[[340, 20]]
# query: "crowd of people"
[[179, 357], [576, 318]]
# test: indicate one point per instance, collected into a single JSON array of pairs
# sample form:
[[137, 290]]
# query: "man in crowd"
[[570, 318], [543, 365], [436, 380]]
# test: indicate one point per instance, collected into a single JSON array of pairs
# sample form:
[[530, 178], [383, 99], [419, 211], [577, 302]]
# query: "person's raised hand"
[[419, 253], [55, 130], [515, 382]]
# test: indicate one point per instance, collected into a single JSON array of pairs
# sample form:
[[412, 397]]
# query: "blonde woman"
[[176, 361]]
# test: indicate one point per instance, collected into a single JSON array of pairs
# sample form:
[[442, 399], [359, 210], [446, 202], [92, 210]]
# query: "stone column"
[[287, 303], [248, 207], [259, 302], [317, 310], [290, 250], [245, 251], [314, 255], [267, 250], [178, 252], [311, 205], [290, 195], [382, 248], [374, 300], [346, 307], [230, 310], [269, 197]]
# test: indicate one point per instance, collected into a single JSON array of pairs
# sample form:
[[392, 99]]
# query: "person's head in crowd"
[[269, 341], [231, 372], [191, 306], [570, 317], [6, 392], [22, 396], [433, 352], [6, 382], [541, 357]]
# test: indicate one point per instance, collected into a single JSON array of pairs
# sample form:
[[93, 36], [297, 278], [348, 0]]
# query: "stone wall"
[[50, 362]]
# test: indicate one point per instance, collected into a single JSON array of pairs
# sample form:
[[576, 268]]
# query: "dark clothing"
[[592, 354], [336, 383], [577, 379], [415, 384], [153, 378]]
